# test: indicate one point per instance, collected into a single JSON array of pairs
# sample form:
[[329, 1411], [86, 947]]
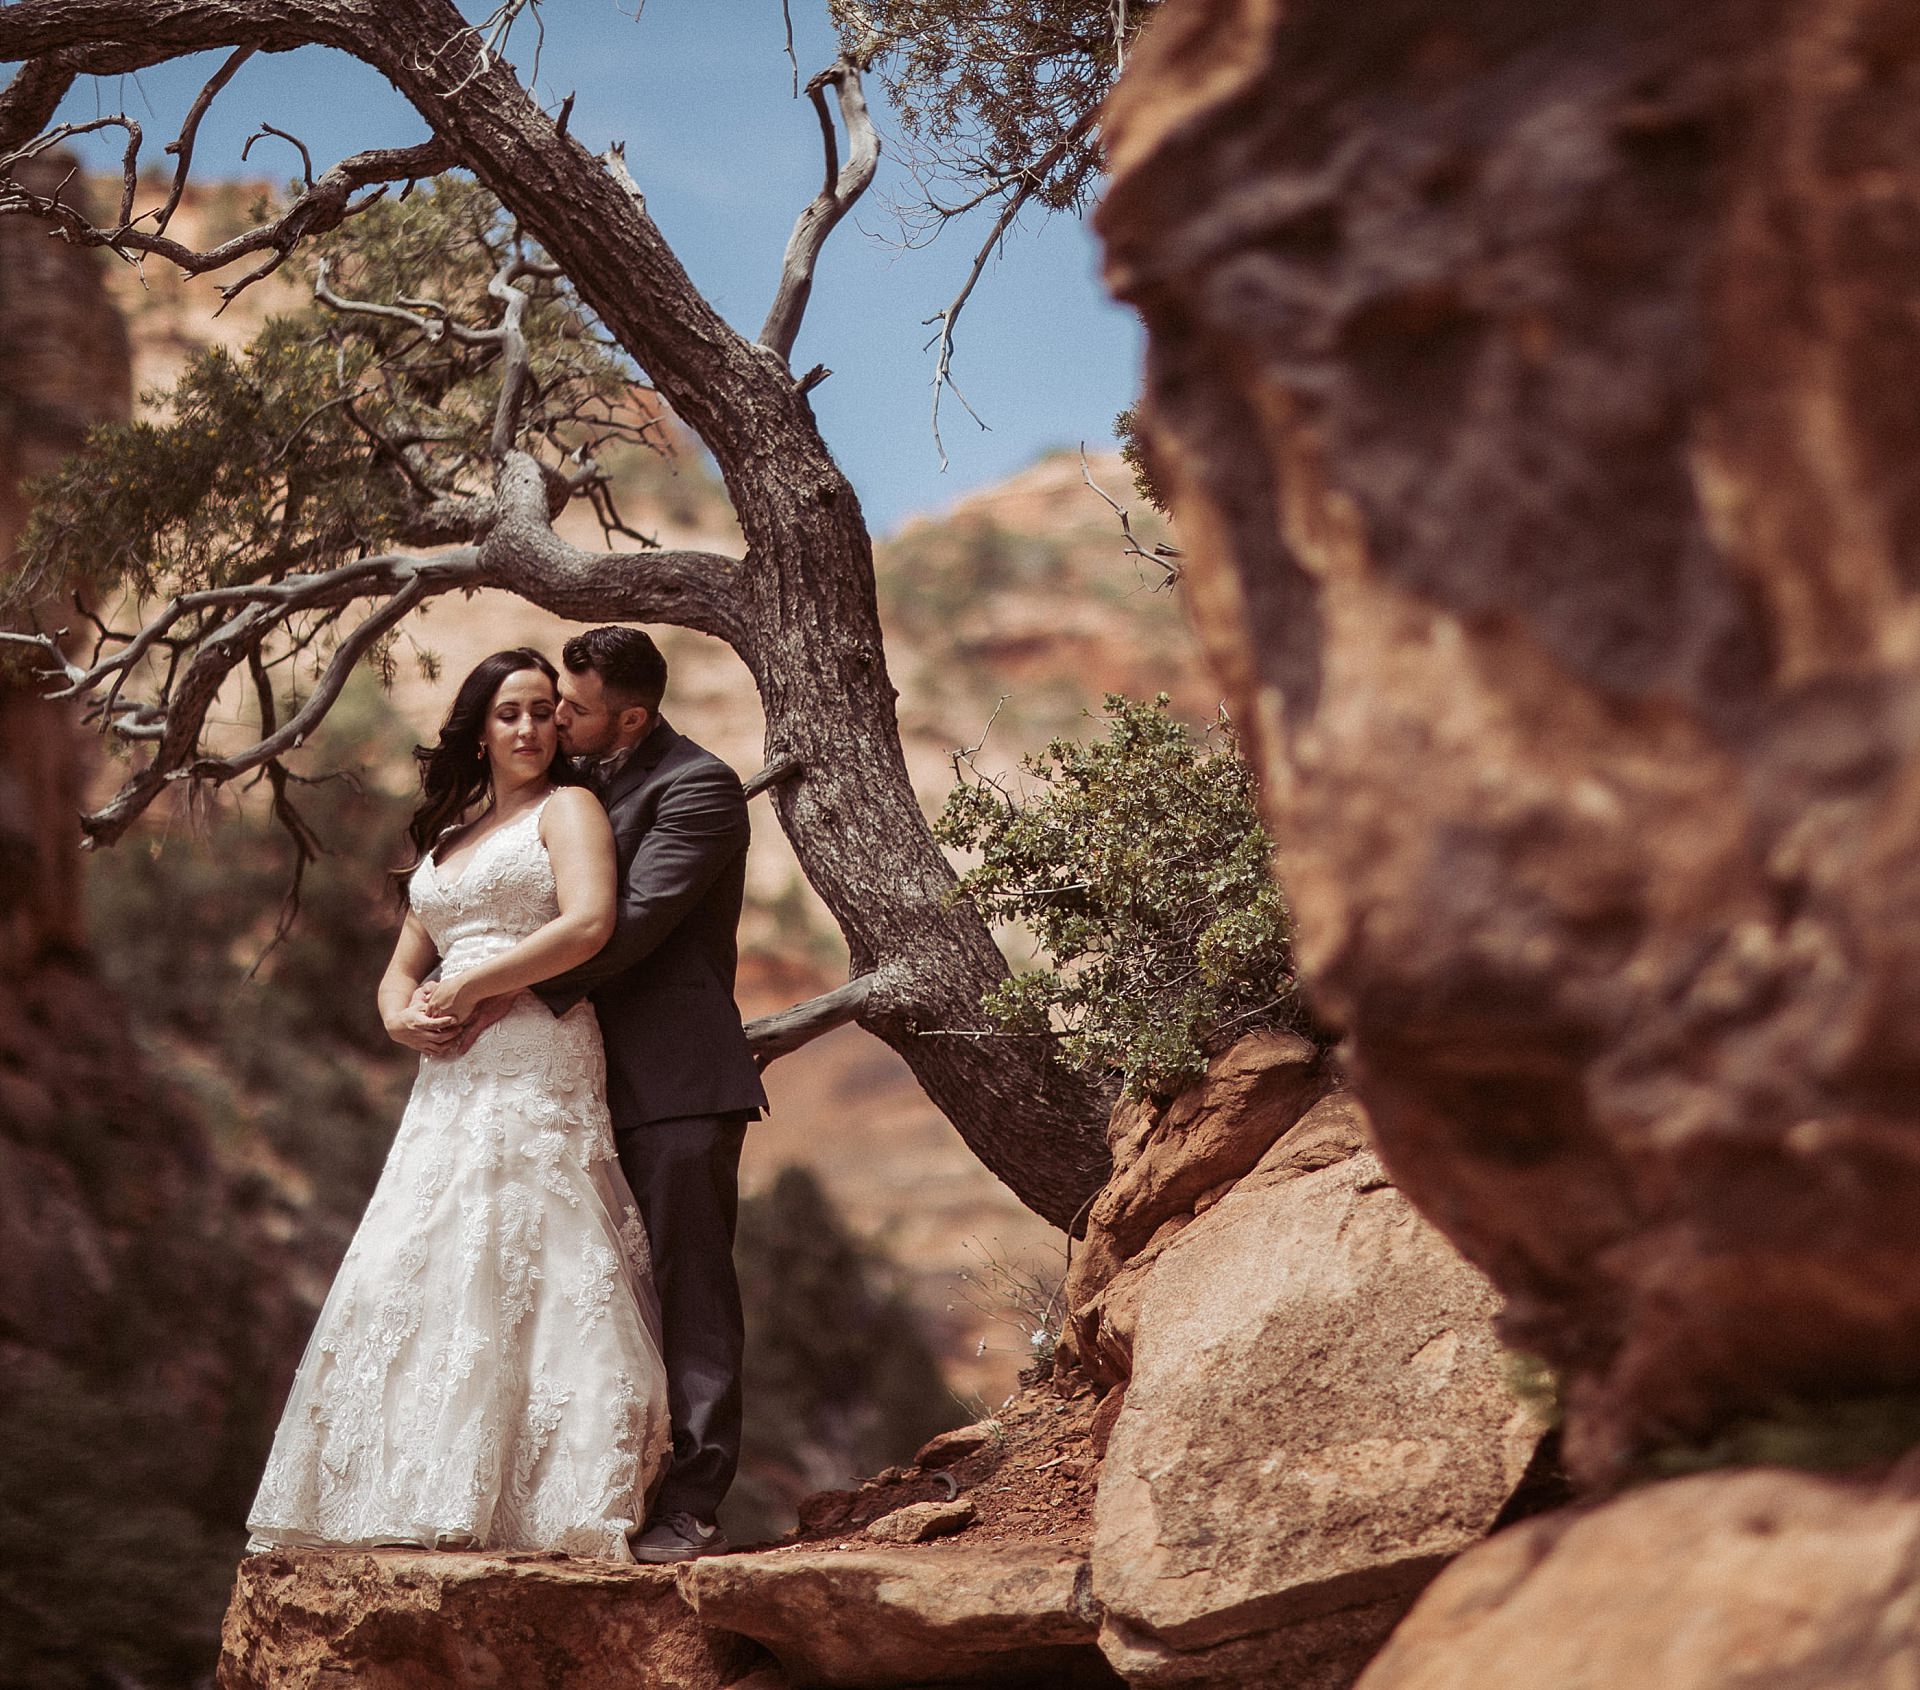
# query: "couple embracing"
[[534, 1341]]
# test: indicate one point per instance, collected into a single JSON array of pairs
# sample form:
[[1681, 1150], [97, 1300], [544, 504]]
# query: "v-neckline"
[[479, 849]]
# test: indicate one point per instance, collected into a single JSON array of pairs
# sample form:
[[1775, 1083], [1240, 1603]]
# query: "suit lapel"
[[645, 759]]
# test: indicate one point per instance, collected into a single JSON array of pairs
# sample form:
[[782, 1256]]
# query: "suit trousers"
[[684, 1173]]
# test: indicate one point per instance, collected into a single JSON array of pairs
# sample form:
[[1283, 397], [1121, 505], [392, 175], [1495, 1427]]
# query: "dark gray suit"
[[680, 1082]]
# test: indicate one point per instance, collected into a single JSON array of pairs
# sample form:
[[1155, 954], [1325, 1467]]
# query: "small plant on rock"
[[1138, 862]]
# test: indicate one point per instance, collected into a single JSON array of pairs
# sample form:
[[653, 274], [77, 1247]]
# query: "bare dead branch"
[[786, 17], [1164, 557], [615, 159], [307, 846], [780, 769], [780, 1034], [515, 360], [293, 733], [129, 164], [1019, 191], [323, 207], [843, 186], [182, 145], [306, 158]]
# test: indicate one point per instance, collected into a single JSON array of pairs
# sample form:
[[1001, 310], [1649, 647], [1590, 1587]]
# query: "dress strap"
[[536, 811]]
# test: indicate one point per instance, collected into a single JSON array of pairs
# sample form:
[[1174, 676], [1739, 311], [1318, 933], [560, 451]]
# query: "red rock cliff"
[[1536, 389]]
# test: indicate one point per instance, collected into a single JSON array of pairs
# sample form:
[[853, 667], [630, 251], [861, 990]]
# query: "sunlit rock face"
[[1538, 391], [1316, 1421]]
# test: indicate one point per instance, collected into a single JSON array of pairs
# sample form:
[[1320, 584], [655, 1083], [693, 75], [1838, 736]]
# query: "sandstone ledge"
[[866, 1618], [1000, 1613], [394, 1619]]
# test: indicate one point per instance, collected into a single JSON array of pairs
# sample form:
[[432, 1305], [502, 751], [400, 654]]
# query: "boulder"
[[943, 1449], [1724, 1581], [1170, 1159], [1533, 387], [922, 1522], [1316, 1421], [394, 1619], [882, 1617]]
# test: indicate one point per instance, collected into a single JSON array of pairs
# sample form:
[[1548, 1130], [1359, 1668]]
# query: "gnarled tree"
[[798, 605]]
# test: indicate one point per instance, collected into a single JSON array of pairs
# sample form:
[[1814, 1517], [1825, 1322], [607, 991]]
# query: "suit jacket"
[[663, 984]]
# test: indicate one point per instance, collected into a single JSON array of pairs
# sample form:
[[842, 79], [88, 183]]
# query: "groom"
[[680, 1082]]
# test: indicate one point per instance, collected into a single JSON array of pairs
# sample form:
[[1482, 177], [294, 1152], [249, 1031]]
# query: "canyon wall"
[[143, 1318]]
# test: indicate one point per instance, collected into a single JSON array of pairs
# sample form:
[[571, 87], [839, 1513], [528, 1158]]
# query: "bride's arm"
[[579, 843], [408, 1023]]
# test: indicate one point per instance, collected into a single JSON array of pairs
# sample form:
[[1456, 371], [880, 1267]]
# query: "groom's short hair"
[[628, 663]]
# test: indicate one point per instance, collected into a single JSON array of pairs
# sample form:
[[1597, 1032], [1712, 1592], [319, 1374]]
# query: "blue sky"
[[702, 93]]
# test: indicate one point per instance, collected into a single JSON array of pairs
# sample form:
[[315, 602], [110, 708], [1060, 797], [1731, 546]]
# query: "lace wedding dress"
[[486, 1370]]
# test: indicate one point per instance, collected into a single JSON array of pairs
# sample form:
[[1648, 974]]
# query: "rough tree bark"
[[1536, 387], [799, 607]]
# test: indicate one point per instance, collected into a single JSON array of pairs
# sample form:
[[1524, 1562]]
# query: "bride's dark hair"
[[455, 771]]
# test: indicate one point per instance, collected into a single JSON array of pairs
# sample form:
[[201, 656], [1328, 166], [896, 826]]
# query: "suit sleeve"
[[699, 827]]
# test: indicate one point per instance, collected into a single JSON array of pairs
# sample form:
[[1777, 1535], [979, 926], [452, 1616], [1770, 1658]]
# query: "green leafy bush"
[[1140, 866]]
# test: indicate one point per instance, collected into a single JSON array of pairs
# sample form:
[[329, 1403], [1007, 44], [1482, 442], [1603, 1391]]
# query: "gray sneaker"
[[679, 1536]]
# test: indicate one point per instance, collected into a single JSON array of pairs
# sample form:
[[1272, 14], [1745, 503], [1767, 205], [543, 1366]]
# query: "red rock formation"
[[63, 367], [1536, 391], [1308, 1412], [144, 1318], [1720, 1582]]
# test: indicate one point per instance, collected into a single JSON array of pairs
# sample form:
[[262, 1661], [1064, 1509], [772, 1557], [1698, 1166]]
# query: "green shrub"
[[1139, 864]]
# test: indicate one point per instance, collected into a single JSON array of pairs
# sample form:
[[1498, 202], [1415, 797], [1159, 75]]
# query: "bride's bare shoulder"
[[570, 807]]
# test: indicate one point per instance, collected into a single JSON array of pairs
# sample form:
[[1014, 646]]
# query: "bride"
[[486, 1370]]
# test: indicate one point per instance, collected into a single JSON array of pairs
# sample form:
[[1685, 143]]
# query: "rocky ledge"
[[396, 1619], [1280, 1410], [407, 1620]]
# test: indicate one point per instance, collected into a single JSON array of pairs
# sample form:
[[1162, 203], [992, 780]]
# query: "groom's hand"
[[490, 1011]]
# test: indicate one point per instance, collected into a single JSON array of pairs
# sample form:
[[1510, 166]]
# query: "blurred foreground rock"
[[1535, 387], [1725, 1581]]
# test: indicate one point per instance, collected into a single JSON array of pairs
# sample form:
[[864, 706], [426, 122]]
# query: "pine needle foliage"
[[998, 93], [312, 446], [1138, 862]]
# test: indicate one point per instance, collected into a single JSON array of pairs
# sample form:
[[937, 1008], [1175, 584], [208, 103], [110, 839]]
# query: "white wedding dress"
[[486, 1369]]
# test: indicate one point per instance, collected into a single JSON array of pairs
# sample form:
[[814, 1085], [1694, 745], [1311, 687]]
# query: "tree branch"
[[842, 188], [779, 769], [228, 626], [780, 1034], [1029, 181], [181, 146], [323, 207]]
